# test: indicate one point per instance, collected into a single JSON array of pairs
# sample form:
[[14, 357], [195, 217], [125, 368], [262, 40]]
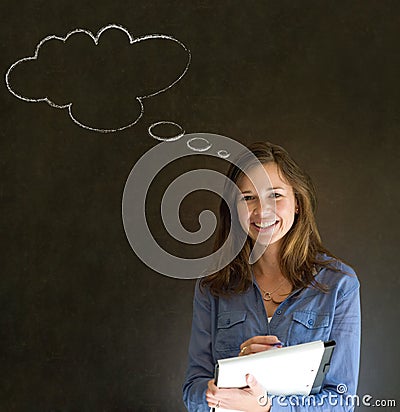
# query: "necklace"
[[267, 296]]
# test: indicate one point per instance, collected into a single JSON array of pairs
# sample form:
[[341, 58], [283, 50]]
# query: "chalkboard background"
[[84, 324]]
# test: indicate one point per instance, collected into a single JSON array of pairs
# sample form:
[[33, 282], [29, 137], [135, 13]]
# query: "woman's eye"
[[247, 198], [276, 195]]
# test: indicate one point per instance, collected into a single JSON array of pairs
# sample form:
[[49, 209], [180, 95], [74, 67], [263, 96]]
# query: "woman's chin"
[[266, 241]]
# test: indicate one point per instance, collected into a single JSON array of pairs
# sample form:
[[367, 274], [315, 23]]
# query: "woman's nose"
[[264, 208]]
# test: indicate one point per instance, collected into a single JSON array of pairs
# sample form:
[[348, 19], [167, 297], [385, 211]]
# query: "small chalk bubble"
[[199, 144], [167, 125], [223, 153]]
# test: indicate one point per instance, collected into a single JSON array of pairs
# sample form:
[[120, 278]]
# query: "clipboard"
[[292, 370]]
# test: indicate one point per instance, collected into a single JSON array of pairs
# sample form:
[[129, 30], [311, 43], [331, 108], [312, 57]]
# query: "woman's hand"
[[258, 344], [250, 399]]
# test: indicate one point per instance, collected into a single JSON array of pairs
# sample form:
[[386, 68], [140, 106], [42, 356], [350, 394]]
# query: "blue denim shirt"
[[220, 325]]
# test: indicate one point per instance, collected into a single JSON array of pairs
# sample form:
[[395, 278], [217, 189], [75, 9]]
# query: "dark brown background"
[[84, 325]]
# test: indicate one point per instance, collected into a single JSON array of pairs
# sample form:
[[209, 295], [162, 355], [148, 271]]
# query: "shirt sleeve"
[[200, 364], [339, 390]]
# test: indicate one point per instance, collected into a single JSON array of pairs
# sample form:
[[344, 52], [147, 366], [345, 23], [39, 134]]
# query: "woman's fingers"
[[251, 398], [257, 390], [255, 348], [212, 401], [221, 397], [258, 344], [264, 340], [210, 394], [212, 388]]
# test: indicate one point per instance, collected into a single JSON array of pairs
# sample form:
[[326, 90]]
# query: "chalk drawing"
[[95, 38], [223, 153], [166, 139], [198, 144]]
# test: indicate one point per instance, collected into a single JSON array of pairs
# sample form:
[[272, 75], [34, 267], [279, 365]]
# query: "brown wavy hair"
[[301, 254]]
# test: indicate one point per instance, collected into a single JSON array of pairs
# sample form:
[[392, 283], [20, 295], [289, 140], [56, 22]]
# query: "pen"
[[276, 344]]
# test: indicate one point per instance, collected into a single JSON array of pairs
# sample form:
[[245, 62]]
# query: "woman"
[[295, 292]]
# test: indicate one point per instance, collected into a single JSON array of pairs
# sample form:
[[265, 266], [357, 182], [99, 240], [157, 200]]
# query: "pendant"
[[267, 296]]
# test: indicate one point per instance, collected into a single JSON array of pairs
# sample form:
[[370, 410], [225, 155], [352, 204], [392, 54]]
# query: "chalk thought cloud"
[[100, 79]]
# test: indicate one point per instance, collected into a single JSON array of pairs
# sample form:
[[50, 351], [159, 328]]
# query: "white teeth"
[[264, 225]]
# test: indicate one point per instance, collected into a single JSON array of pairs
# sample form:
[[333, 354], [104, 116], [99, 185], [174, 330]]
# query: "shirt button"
[[278, 312], [310, 322], [228, 321]]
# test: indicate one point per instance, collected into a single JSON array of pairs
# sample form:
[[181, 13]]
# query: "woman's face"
[[266, 209]]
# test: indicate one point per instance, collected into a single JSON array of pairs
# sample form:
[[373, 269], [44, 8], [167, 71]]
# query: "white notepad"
[[292, 370]]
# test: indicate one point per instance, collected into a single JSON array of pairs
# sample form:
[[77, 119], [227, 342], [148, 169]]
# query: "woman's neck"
[[268, 265]]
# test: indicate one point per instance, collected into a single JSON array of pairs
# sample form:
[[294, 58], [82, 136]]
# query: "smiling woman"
[[293, 291]]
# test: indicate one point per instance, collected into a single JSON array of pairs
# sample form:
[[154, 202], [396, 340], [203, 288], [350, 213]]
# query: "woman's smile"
[[264, 226]]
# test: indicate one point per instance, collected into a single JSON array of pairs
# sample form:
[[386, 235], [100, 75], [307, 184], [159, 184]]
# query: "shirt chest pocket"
[[229, 333], [307, 326]]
